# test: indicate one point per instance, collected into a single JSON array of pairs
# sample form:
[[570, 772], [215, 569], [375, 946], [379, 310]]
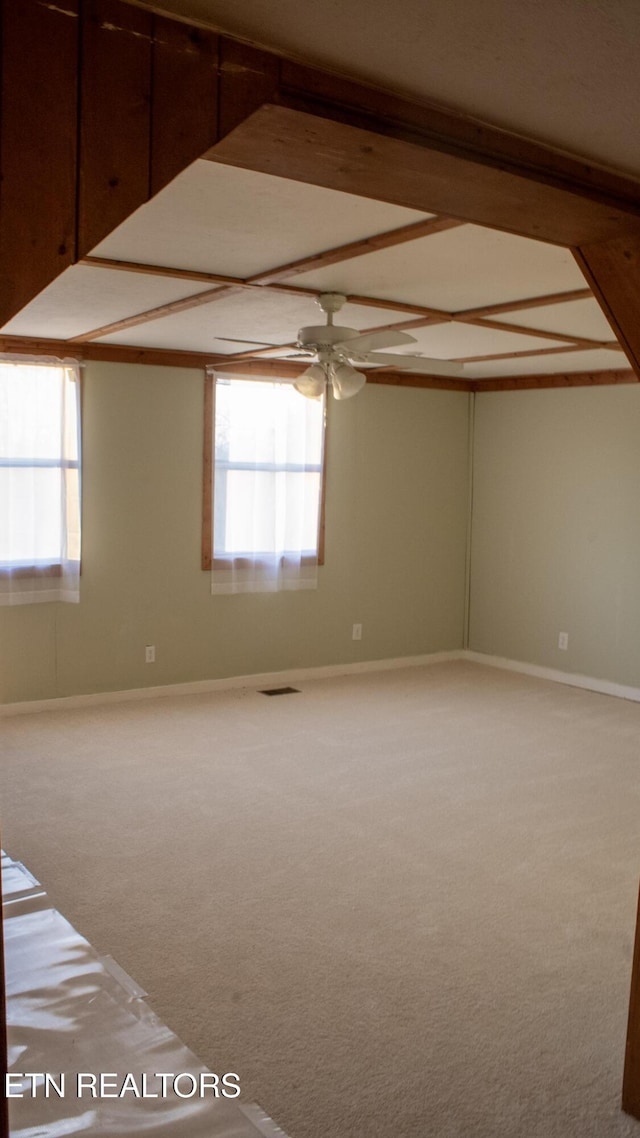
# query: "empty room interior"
[[319, 564]]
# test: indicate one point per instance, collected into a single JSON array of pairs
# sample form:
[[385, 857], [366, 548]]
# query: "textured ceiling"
[[218, 219], [562, 71]]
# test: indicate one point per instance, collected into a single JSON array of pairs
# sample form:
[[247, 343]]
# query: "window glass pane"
[[267, 423], [31, 405], [301, 494], [39, 482], [31, 512], [73, 514], [267, 512]]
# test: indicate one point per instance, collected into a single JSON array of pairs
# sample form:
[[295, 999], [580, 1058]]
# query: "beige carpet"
[[397, 904]]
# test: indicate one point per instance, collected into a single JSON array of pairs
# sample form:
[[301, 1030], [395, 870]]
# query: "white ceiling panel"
[[82, 299], [447, 341], [219, 219], [457, 269], [599, 360], [576, 317], [265, 316]]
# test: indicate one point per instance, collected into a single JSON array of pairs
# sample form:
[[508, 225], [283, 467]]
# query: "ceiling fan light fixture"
[[336, 348], [346, 381], [312, 382]]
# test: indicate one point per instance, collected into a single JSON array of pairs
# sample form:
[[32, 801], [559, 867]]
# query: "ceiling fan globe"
[[346, 381], [312, 382]]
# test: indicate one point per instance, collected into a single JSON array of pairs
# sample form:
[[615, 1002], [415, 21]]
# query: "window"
[[263, 493], [39, 482]]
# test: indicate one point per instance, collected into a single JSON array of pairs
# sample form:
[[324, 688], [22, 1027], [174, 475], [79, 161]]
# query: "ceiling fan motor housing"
[[319, 336]]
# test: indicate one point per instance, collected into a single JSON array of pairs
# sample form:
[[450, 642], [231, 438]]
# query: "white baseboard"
[[574, 680], [326, 671], [197, 687]]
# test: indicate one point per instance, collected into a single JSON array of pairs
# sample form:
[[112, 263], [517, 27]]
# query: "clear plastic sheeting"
[[72, 1013]]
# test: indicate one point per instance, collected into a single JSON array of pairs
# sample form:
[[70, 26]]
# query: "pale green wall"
[[556, 529], [395, 547]]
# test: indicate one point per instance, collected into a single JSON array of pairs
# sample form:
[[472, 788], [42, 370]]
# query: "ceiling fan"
[[336, 348]]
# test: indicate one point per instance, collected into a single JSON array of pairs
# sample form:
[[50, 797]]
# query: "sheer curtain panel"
[[39, 482], [267, 486]]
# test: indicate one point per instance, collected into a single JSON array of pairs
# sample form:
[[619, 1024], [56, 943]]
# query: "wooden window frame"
[[209, 560]]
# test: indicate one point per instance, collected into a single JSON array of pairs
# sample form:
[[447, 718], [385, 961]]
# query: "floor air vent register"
[[280, 691]]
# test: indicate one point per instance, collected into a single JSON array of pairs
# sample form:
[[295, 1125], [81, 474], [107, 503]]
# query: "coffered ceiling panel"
[[83, 298], [220, 219], [214, 219], [576, 318], [448, 341], [257, 318], [460, 268]]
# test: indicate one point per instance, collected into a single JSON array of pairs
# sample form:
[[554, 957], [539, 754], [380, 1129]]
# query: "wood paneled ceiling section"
[[456, 284]]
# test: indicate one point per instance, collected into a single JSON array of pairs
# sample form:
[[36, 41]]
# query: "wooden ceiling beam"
[[608, 345], [352, 298], [426, 317], [566, 344], [319, 140], [276, 286], [529, 302], [320, 131], [110, 353], [497, 325], [286, 369], [167, 357], [563, 346], [359, 248], [566, 379], [395, 306], [523, 330], [415, 322], [613, 270], [515, 179], [269, 278], [157, 271], [208, 296], [400, 378]]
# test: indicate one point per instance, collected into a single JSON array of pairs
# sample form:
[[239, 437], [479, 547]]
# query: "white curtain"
[[267, 486], [39, 482]]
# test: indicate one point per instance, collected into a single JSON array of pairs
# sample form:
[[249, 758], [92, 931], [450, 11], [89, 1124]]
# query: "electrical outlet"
[[150, 654], [563, 641], [357, 632]]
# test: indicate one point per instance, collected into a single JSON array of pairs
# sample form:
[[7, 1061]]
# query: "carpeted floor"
[[397, 904]]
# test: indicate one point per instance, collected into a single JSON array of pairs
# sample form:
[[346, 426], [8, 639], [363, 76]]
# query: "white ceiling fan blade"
[[236, 340], [421, 363], [369, 341]]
